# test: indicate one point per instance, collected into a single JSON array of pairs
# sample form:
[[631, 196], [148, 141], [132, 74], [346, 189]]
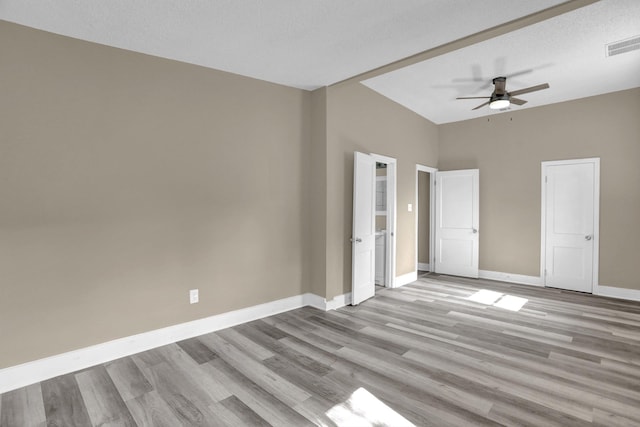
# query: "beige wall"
[[423, 217], [126, 180], [508, 149], [359, 119], [318, 193]]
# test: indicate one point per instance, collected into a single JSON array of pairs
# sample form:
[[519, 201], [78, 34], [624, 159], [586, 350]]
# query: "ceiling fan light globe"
[[499, 104]]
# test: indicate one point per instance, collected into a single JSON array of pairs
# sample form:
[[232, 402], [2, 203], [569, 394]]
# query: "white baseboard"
[[622, 293], [321, 303], [424, 267], [510, 277], [337, 302], [28, 373], [604, 291], [405, 279], [315, 301]]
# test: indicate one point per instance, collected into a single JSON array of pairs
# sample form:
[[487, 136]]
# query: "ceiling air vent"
[[623, 46]]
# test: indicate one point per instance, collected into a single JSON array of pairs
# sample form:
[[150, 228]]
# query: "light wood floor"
[[424, 353]]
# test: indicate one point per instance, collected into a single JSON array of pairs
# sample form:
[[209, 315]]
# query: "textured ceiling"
[[305, 44], [314, 43], [567, 51]]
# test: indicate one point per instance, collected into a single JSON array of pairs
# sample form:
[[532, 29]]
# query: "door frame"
[[432, 204], [596, 216], [390, 256]]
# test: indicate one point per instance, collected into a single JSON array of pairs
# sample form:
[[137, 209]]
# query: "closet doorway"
[[425, 218]]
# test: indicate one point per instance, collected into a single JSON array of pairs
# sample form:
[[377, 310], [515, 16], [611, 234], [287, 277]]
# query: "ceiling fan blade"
[[517, 101], [481, 105], [474, 97], [529, 89]]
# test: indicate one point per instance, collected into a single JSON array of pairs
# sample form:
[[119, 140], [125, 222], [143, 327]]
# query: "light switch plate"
[[410, 207]]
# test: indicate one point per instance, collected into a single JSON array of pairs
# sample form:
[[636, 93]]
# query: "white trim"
[[603, 291], [318, 302], [596, 226], [510, 277], [622, 293], [338, 302], [28, 373], [432, 205], [315, 301], [424, 267], [596, 216], [543, 223], [405, 279]]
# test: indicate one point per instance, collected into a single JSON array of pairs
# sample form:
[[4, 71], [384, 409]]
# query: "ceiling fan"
[[500, 98]]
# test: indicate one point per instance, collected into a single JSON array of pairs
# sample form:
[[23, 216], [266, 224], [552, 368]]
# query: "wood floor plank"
[[184, 398], [199, 352], [282, 348], [22, 407], [63, 403], [226, 417], [282, 389], [102, 400], [417, 407], [258, 399], [246, 416], [237, 338], [312, 383], [150, 410], [207, 389], [315, 410], [127, 378]]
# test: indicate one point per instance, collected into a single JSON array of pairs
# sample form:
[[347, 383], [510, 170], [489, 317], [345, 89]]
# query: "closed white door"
[[457, 222], [363, 242], [569, 202]]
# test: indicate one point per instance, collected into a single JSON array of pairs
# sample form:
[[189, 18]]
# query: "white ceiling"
[[300, 43], [313, 43], [567, 51]]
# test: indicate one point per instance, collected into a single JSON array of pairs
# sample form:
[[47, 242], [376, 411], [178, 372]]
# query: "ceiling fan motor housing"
[[500, 96], [500, 84]]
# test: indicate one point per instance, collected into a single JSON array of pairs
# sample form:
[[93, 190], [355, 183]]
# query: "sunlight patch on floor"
[[363, 409], [484, 296], [497, 299]]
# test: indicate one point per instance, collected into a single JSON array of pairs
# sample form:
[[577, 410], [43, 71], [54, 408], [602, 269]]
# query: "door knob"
[[588, 237], [357, 240], [474, 230]]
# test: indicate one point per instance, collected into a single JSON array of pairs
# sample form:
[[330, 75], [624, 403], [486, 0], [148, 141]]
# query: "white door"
[[457, 222], [569, 219], [363, 243]]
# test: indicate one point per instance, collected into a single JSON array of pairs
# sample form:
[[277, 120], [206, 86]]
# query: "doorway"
[[385, 224], [425, 205], [569, 229]]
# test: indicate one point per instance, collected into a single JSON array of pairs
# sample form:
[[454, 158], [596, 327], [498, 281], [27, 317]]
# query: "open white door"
[[363, 242], [569, 226], [457, 222]]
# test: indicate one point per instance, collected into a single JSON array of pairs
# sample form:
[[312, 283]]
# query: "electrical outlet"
[[193, 296], [410, 207]]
